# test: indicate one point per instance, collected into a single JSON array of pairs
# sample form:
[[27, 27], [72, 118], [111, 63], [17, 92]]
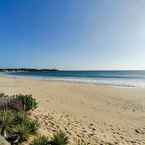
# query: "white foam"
[[116, 82], [112, 82]]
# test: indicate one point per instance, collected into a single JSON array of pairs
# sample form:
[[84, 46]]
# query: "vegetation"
[[6, 122], [19, 117], [28, 102], [16, 126], [59, 139], [25, 128], [42, 140], [26, 70]]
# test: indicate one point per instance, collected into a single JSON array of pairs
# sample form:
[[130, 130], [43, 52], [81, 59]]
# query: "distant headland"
[[25, 70]]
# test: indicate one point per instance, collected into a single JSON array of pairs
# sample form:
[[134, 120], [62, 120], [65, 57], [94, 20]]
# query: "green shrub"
[[59, 139], [6, 122], [26, 128], [28, 102], [32, 125], [19, 117], [42, 140], [22, 131], [15, 104], [14, 123], [10, 103]]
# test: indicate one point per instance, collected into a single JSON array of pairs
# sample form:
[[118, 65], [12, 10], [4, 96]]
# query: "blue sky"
[[72, 34]]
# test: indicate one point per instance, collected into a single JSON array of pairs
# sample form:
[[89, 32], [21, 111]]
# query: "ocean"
[[113, 78]]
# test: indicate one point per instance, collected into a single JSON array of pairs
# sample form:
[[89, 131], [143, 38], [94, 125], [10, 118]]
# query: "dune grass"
[[16, 126]]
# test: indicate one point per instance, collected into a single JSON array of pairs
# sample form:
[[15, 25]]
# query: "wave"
[[118, 79], [109, 82]]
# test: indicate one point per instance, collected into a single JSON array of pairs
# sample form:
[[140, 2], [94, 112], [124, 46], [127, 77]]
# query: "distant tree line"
[[25, 70]]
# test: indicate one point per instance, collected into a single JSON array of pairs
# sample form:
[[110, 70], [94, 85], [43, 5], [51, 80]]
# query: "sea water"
[[114, 78]]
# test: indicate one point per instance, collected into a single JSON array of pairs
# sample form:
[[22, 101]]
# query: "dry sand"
[[93, 113]]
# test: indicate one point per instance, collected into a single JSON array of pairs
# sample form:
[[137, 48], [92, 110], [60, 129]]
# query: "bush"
[[25, 128], [28, 102], [4, 101], [59, 139], [22, 131], [15, 126], [31, 125], [19, 117], [6, 122], [42, 140], [15, 104], [17, 123], [10, 103]]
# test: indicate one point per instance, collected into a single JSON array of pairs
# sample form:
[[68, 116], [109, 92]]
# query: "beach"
[[96, 114]]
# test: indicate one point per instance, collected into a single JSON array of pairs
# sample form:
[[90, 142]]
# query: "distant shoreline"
[[129, 79], [76, 81], [25, 70], [47, 69]]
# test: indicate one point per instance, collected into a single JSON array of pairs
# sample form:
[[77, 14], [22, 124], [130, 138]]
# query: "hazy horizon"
[[73, 34], [72, 69]]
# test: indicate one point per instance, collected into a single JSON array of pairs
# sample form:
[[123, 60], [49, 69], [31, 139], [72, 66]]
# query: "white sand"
[[96, 114]]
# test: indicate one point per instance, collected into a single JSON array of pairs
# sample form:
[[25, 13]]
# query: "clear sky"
[[72, 34]]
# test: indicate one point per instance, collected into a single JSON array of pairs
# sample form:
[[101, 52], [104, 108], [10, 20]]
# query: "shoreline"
[[75, 80], [94, 113]]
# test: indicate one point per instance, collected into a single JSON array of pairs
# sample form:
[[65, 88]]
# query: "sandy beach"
[[99, 115]]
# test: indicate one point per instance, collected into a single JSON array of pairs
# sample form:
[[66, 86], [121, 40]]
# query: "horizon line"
[[37, 68]]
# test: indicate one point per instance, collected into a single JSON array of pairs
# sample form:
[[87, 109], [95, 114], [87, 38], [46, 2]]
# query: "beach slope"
[[93, 113]]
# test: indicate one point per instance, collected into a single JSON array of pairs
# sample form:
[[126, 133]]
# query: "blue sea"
[[113, 78]]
